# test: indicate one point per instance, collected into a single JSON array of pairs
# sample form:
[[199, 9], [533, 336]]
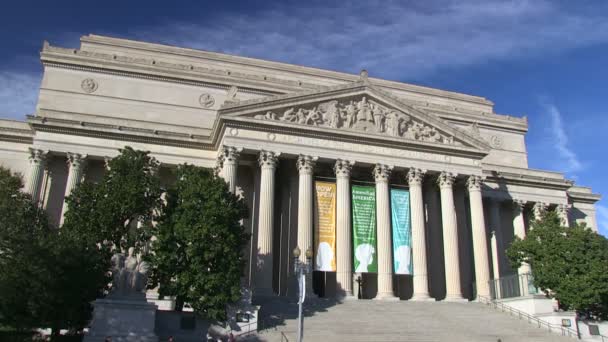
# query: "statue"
[[301, 116], [393, 122], [289, 115], [314, 117], [364, 111], [129, 274], [379, 116], [350, 116]]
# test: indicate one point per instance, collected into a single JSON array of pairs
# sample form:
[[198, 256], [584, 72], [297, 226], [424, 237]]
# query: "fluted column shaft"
[[228, 162], [494, 246], [36, 173], [450, 237], [305, 165], [519, 229], [383, 219], [344, 268], [421, 281], [480, 241], [268, 162], [75, 170]]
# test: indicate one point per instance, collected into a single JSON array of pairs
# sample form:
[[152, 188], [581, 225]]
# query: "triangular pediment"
[[358, 108]]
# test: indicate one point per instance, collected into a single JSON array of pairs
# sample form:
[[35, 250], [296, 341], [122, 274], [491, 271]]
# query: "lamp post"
[[301, 269]]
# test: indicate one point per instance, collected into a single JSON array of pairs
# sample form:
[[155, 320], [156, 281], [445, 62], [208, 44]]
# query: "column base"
[[455, 299], [386, 297], [422, 298]]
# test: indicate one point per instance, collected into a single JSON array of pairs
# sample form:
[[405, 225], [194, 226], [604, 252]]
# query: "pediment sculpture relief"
[[364, 116]]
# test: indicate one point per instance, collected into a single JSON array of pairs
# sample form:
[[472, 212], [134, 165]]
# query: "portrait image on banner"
[[325, 226], [402, 231], [364, 229]]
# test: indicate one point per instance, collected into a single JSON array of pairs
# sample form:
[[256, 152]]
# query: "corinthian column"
[[519, 230], [385, 247], [450, 237], [36, 173], [562, 211], [75, 170], [305, 165], [268, 163], [344, 268], [480, 241], [228, 164], [539, 209], [421, 282]]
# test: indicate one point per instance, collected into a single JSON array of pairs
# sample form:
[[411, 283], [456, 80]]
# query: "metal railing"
[[564, 331], [517, 285]]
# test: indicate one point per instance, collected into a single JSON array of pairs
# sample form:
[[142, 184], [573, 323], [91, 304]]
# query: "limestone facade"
[[270, 129]]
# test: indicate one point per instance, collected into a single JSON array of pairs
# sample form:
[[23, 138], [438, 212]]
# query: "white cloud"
[[18, 94], [567, 158], [602, 219], [394, 40]]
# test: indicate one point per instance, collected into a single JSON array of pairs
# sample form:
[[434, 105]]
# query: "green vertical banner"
[[402, 231], [364, 228]]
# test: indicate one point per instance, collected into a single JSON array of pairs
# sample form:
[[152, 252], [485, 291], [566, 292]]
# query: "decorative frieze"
[[361, 115]]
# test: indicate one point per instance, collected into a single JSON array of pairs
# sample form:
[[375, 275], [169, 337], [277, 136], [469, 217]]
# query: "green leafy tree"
[[570, 264], [197, 253], [23, 228], [43, 275]]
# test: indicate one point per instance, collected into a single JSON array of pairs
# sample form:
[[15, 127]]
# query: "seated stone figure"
[[129, 275]]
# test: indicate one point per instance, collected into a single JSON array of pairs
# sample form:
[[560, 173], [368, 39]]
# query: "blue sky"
[[543, 59]]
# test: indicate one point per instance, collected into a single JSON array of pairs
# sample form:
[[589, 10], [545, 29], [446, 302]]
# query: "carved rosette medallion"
[[363, 115], [306, 164], [343, 168], [268, 159], [89, 85], [496, 141], [446, 179], [206, 100], [415, 176], [474, 183], [382, 172]]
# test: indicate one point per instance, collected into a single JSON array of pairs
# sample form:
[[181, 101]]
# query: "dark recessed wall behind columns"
[[285, 226], [433, 225], [465, 241]]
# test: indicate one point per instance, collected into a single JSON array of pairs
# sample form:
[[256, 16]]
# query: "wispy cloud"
[[567, 158], [396, 40], [602, 219], [18, 93]]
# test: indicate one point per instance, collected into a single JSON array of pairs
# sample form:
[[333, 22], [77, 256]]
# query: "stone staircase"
[[370, 320]]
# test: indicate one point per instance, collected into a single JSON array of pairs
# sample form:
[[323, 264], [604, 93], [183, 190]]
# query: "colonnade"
[[268, 162]]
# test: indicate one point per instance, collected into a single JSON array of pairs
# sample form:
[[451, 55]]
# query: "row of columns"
[[38, 164], [268, 162]]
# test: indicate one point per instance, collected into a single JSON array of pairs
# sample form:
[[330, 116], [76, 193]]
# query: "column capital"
[[76, 160], [230, 154], [268, 159], [382, 172], [446, 179], [562, 210], [343, 167], [540, 208], [306, 164], [415, 176], [474, 183], [37, 156], [518, 206]]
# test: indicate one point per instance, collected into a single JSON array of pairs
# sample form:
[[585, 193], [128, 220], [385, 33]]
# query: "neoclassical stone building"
[[272, 130]]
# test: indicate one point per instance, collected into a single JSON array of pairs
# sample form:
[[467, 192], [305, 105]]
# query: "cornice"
[[583, 197], [122, 133], [526, 180], [16, 131], [245, 61]]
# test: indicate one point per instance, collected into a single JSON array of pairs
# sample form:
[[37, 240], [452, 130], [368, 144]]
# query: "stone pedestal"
[[122, 320]]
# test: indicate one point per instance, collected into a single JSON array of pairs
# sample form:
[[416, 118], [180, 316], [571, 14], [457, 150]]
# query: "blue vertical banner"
[[402, 231]]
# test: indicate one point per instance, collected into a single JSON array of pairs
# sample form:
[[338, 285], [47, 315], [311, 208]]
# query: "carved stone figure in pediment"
[[361, 115]]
